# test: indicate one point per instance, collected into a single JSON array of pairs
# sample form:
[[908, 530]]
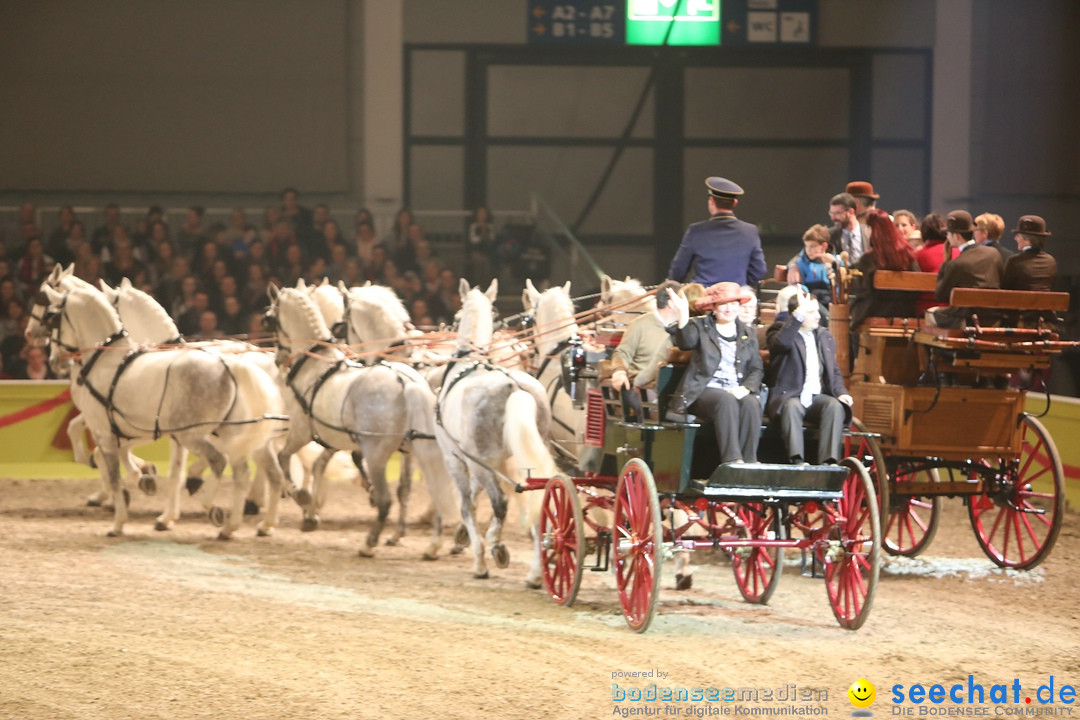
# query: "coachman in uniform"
[[722, 248]]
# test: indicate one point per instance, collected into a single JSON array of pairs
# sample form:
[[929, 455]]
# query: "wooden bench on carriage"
[[945, 421], [661, 483]]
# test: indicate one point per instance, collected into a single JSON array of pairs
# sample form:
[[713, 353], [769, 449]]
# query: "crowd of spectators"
[[212, 278]]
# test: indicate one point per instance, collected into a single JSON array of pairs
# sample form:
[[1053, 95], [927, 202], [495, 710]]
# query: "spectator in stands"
[[724, 377], [57, 244], [190, 320], [301, 218], [13, 312], [192, 234], [397, 240], [12, 346], [280, 241], [988, 231], [8, 291], [270, 217], [104, 234], [419, 314], [976, 266], [805, 385], [335, 270], [163, 257], [908, 227], [87, 264], [363, 215], [253, 294], [292, 267], [167, 289], [208, 326], [234, 319], [203, 263], [812, 265], [185, 298], [364, 242], [17, 232], [354, 273], [480, 239], [448, 293], [237, 231], [34, 365], [331, 235], [124, 265], [34, 266], [1032, 268], [373, 270], [888, 251]]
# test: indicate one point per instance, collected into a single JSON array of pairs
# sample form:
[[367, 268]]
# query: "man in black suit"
[[977, 266], [722, 248], [724, 377], [805, 386], [848, 233], [1032, 268]]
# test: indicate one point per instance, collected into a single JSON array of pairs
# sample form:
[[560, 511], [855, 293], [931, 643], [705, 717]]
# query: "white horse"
[[624, 300], [136, 470], [128, 393], [492, 425], [147, 323], [347, 406]]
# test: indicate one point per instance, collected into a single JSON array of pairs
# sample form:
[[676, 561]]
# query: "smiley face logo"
[[862, 693]]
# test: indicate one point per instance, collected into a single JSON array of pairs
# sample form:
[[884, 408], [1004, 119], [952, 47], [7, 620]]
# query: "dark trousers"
[[737, 422], [825, 414]]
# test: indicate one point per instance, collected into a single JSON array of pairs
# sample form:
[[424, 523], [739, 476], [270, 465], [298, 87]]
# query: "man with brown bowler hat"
[[1032, 268], [977, 266], [865, 197], [722, 248]]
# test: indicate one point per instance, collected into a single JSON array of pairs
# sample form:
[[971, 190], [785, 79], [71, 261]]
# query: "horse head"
[[476, 324]]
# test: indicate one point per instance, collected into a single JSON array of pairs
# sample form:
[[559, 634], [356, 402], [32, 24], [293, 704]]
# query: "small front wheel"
[[562, 539], [851, 553], [757, 569], [636, 538]]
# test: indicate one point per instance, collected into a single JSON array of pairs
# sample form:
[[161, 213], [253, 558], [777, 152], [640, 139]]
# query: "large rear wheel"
[[1018, 519], [562, 539], [860, 444], [757, 569], [637, 536], [852, 551]]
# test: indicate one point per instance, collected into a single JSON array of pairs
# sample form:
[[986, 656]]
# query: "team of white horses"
[[350, 373]]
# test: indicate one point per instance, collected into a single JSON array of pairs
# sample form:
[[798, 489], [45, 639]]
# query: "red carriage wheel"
[[867, 450], [562, 539], [851, 551], [1018, 519], [636, 536], [757, 569], [913, 522]]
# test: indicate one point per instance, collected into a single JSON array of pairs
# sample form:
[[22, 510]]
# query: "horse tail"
[[521, 435]]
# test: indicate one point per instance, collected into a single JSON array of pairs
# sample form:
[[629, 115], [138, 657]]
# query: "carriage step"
[[781, 481]]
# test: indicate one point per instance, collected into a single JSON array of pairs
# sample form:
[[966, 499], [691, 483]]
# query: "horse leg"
[[499, 506], [241, 484], [298, 437], [266, 460], [380, 498], [206, 450], [433, 468], [194, 480], [460, 472], [178, 455], [404, 489], [111, 463], [308, 499]]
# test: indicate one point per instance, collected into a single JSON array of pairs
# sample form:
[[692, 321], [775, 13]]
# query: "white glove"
[[846, 399], [739, 392], [620, 380]]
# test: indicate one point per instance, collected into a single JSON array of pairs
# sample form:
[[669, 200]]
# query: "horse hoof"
[[93, 462], [303, 497], [261, 532], [461, 536], [224, 536], [112, 533], [533, 584], [193, 483], [457, 549], [148, 485], [501, 555], [430, 556], [93, 502], [366, 552], [251, 507], [683, 582], [309, 525], [217, 516], [481, 575], [393, 541], [161, 526]]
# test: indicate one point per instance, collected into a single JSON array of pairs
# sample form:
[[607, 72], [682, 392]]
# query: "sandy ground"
[[179, 625]]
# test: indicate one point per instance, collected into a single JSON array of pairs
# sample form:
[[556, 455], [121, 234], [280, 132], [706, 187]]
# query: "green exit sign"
[[681, 22]]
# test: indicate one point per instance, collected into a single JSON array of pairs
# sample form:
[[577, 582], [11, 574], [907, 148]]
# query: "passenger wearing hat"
[[806, 388], [640, 341], [865, 198], [722, 248], [977, 266], [1032, 268], [723, 379]]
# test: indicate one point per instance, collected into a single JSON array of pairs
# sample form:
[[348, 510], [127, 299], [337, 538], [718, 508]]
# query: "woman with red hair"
[[888, 251]]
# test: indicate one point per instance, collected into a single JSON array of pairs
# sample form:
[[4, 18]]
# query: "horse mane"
[[94, 296], [555, 305], [383, 298], [149, 303], [310, 311]]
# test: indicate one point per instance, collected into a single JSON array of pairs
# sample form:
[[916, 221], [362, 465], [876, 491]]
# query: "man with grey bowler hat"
[[977, 266], [722, 248]]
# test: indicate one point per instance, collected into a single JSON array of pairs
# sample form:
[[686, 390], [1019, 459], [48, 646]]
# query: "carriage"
[[942, 419], [658, 489]]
